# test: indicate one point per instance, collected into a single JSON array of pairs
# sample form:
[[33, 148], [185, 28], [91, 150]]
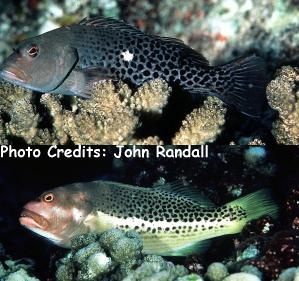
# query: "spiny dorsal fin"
[[112, 24], [124, 27], [188, 192], [187, 51], [196, 57]]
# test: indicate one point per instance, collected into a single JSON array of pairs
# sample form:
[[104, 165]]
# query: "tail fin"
[[256, 205], [247, 92]]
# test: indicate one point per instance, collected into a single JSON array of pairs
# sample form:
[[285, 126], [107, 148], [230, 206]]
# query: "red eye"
[[49, 197], [33, 51]]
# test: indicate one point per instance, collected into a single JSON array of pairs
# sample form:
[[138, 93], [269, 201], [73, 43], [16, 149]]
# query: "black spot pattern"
[[153, 57], [153, 207]]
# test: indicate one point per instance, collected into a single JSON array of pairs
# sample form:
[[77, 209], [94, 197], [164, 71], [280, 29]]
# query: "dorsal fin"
[[112, 24], [196, 57], [188, 192], [187, 51], [122, 26]]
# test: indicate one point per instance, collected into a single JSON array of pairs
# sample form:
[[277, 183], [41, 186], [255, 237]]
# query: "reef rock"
[[283, 95]]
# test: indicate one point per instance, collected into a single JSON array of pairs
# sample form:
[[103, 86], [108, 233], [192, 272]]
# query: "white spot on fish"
[[77, 214], [127, 56]]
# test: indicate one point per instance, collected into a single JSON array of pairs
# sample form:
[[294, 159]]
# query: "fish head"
[[40, 63], [57, 215]]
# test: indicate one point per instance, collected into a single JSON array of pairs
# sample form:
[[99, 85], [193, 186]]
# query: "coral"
[[290, 274], [242, 276], [224, 29], [151, 97], [19, 118], [157, 270], [190, 277], [202, 125], [116, 255], [93, 256], [252, 270], [16, 270], [110, 117], [283, 95], [21, 274], [216, 271], [256, 142]]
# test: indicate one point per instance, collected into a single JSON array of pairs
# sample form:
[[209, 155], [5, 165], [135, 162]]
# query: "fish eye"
[[49, 197], [33, 51]]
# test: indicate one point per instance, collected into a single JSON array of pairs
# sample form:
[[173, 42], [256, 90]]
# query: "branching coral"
[[111, 116], [283, 95], [202, 125]]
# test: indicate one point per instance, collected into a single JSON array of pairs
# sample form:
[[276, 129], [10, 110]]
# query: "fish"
[[70, 59], [172, 219]]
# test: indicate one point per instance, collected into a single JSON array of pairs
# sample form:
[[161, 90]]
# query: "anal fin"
[[194, 248]]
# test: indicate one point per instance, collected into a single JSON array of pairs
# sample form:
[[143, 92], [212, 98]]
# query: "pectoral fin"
[[81, 81]]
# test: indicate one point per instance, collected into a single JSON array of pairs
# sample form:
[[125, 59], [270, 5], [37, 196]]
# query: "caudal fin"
[[256, 205], [247, 88]]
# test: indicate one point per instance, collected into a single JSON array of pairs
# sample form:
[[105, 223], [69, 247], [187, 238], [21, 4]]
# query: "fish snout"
[[14, 74], [32, 219]]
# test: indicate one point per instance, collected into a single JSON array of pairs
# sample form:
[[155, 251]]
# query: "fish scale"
[[68, 60], [172, 219]]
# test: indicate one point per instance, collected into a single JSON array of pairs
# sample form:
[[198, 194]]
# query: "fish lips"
[[13, 76], [31, 219], [12, 73]]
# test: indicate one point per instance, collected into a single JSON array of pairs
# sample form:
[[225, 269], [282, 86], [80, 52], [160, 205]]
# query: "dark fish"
[[68, 60]]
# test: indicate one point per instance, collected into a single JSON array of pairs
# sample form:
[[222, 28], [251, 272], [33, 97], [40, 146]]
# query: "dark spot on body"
[[155, 75], [142, 58], [130, 71]]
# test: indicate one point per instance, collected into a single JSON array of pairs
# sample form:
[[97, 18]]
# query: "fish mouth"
[[31, 219], [14, 75]]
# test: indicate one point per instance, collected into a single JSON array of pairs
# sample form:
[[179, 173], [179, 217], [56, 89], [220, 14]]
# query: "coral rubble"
[[118, 255], [283, 95], [16, 270], [216, 271]]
